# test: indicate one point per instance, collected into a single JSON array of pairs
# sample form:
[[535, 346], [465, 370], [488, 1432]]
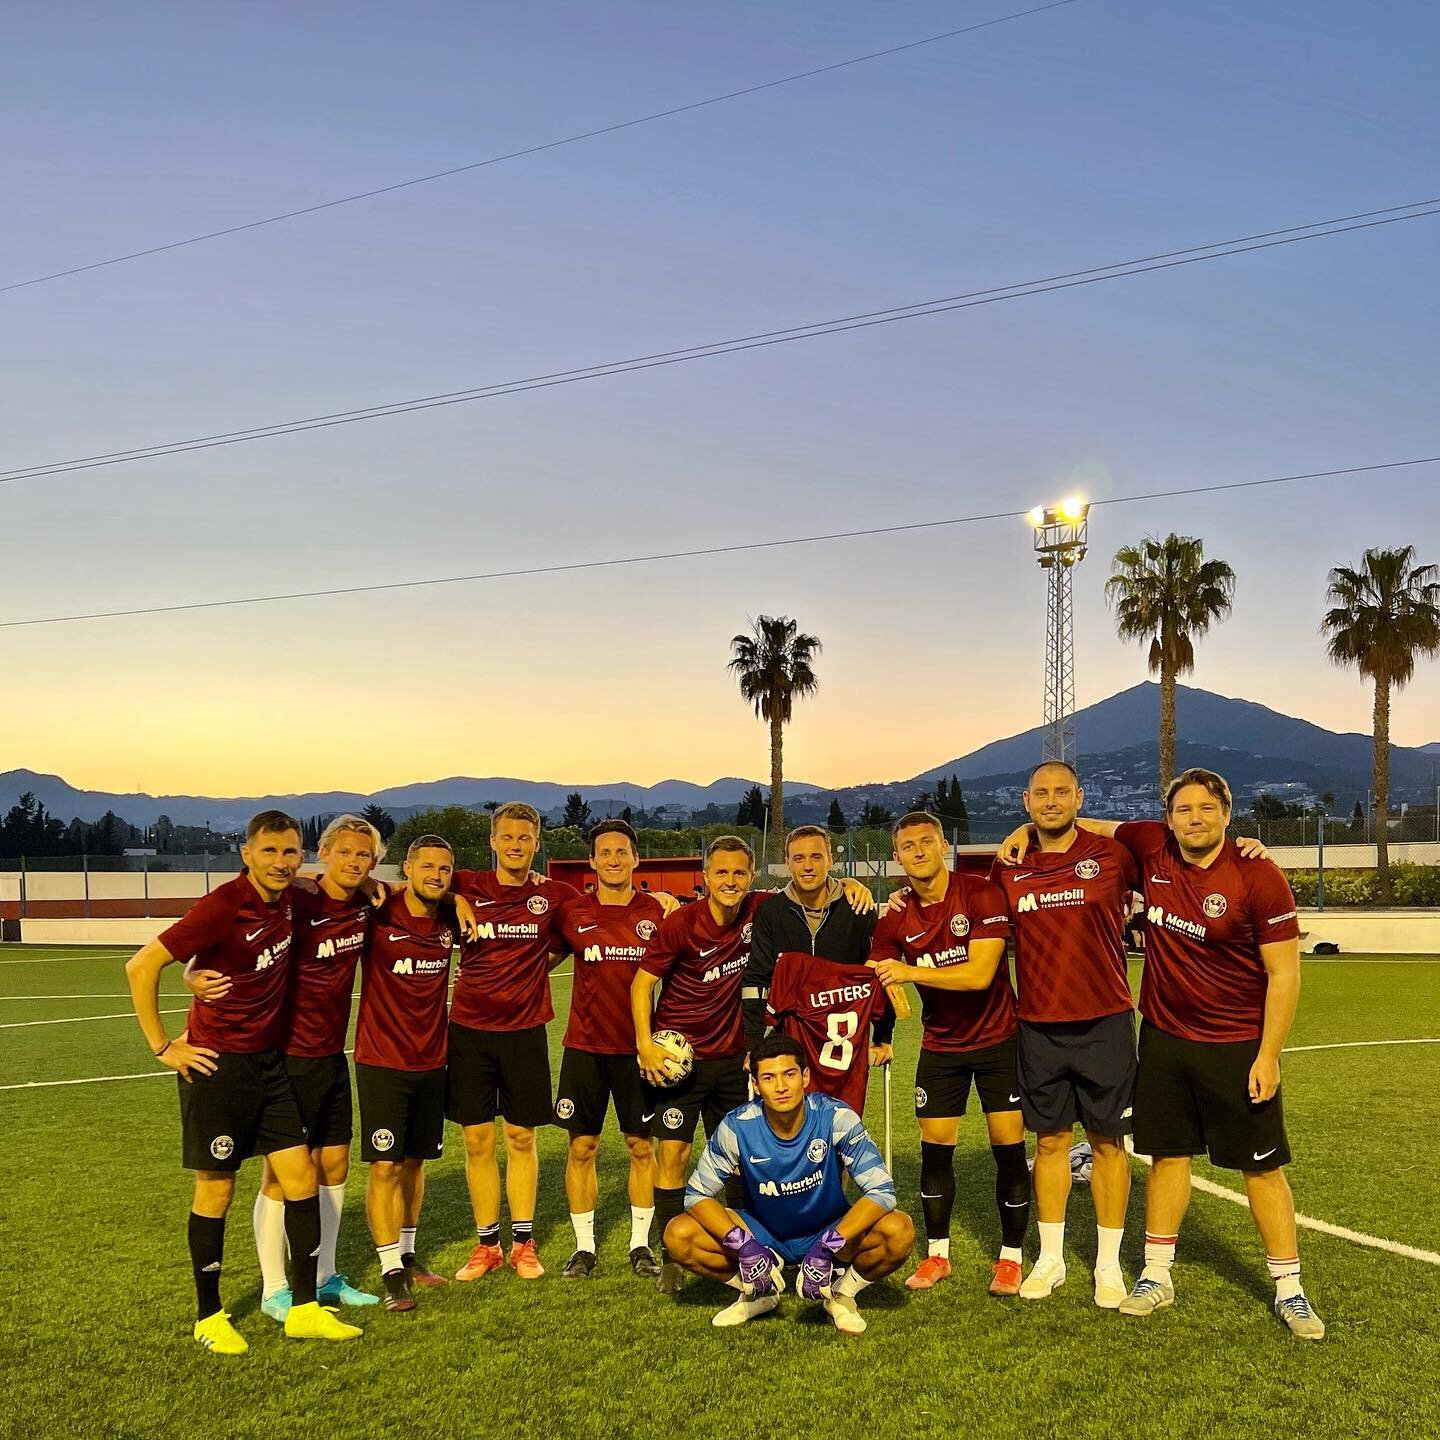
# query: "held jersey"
[[702, 964], [608, 943], [329, 941], [1068, 908], [234, 931], [938, 936], [504, 979], [828, 1009], [1204, 926], [793, 1187], [404, 976]]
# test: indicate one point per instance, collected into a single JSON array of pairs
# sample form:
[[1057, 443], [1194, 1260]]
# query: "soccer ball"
[[679, 1057], [1081, 1158]]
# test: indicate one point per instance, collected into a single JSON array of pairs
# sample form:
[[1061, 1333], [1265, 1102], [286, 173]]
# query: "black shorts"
[[245, 1108], [505, 1072], [1193, 1097], [1078, 1070], [709, 1092], [588, 1082], [402, 1113], [322, 1091], [942, 1080]]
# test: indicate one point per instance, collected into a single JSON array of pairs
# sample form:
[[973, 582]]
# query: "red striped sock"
[[1160, 1252]]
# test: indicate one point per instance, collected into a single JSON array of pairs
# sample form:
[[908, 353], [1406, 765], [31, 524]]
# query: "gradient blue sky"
[[1108, 129]]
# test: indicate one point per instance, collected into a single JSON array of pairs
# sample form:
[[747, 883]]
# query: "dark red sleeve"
[[1272, 903], [884, 944], [990, 919], [663, 947], [207, 922], [1143, 838], [779, 999]]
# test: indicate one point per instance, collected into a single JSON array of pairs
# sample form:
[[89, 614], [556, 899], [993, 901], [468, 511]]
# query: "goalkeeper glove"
[[756, 1263], [817, 1269]]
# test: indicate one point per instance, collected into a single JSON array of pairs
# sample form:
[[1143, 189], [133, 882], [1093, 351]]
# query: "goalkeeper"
[[791, 1151]]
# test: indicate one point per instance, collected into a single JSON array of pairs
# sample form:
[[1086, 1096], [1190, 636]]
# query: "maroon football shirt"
[[405, 973], [1204, 926], [702, 965], [608, 943], [504, 979], [939, 935], [234, 931], [329, 941], [827, 1008], [1068, 908]]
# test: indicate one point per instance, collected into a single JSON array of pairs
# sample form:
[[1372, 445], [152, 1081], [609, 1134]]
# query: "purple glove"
[[755, 1262], [817, 1269]]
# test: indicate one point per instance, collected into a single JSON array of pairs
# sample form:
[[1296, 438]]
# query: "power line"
[[706, 551], [537, 149], [1119, 270]]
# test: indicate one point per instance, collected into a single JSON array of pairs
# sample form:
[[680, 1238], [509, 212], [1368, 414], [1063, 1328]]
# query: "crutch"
[[890, 1167]]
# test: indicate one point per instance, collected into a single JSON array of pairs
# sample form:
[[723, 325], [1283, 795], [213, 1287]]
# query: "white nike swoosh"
[[1014, 1099], [1270, 1151], [481, 904], [911, 939], [397, 939], [645, 1119], [710, 951], [1015, 1204], [758, 1160], [582, 929], [260, 931], [1020, 874], [1156, 880], [326, 919]]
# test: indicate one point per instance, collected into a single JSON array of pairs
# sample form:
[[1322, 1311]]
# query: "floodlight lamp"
[[1037, 516], [1073, 508]]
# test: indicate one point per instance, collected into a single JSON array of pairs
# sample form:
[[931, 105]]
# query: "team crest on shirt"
[[537, 904], [1087, 869], [447, 939], [1214, 906], [959, 925], [222, 1147], [383, 1139], [816, 1150], [564, 1108], [644, 928], [673, 1119], [745, 931]]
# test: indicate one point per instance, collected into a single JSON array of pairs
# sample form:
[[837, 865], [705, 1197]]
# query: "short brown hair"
[[516, 810], [272, 820], [429, 842], [729, 842], [613, 827], [1214, 783], [916, 817], [1044, 764], [807, 832]]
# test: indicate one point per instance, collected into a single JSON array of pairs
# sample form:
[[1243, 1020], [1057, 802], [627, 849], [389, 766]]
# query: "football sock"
[[937, 1194], [584, 1230], [488, 1234], [669, 1202], [1286, 1275], [1107, 1246], [1159, 1256], [332, 1202], [302, 1231], [1012, 1252], [641, 1218], [522, 1231], [1052, 1239], [851, 1283], [269, 1217], [389, 1257], [207, 1248], [407, 1240], [1012, 1193]]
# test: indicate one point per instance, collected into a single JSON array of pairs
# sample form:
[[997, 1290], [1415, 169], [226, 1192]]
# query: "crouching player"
[[791, 1152]]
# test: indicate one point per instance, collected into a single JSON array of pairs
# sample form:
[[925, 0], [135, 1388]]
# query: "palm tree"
[[1167, 592], [1383, 617], [774, 670]]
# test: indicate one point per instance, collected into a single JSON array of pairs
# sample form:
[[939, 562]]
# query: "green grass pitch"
[[94, 1333]]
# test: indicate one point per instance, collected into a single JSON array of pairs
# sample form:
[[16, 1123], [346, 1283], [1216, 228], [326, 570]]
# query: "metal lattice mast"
[[1061, 539]]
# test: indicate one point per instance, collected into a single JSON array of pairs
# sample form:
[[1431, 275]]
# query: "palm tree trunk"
[[777, 777], [1167, 727], [1381, 778]]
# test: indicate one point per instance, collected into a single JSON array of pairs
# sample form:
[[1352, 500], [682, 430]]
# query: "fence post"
[[22, 887], [85, 865], [1320, 861], [207, 872], [145, 874]]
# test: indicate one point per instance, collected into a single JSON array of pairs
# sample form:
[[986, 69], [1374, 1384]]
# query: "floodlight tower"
[[1061, 539]]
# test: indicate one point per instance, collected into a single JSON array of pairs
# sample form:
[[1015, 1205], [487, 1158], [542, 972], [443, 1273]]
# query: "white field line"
[[1359, 1044], [81, 1019], [109, 995], [68, 959], [1371, 960]]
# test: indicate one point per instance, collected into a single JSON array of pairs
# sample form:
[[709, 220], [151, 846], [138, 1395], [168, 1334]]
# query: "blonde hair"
[[516, 810], [343, 824]]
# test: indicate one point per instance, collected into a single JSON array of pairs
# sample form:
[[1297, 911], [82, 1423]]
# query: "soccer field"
[[96, 1341]]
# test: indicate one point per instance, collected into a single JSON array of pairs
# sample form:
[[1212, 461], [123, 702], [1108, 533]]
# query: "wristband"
[[158, 1053]]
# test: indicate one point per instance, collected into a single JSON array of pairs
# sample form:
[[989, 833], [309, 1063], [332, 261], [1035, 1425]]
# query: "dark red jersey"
[[939, 935], [1068, 908], [608, 943], [404, 976], [702, 964], [234, 931], [329, 941], [828, 1008], [1204, 926], [504, 980]]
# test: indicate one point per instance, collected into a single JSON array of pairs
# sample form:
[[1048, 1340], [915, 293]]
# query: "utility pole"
[[1061, 541]]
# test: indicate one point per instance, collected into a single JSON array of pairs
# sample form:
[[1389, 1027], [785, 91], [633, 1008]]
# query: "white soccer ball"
[[1081, 1160], [679, 1056]]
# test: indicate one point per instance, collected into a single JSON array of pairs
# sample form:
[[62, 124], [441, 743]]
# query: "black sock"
[[207, 1249], [302, 1234], [937, 1188], [521, 1231], [669, 1202], [1012, 1192], [485, 1234]]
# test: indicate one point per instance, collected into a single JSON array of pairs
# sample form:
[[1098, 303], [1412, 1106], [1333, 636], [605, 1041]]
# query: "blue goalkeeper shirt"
[[793, 1187]]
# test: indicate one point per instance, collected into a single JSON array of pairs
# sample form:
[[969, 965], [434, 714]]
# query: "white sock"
[[407, 1239], [389, 1257], [641, 1218], [1052, 1239], [270, 1243], [584, 1230], [1012, 1252], [332, 1202], [938, 1247], [1285, 1272], [1159, 1257], [1107, 1246], [851, 1284]]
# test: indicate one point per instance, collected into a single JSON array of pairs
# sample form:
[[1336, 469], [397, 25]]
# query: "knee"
[[213, 1193], [479, 1142], [1105, 1147], [334, 1166], [679, 1238], [519, 1140], [583, 1149], [385, 1174], [897, 1232], [674, 1157], [1055, 1142], [642, 1153]]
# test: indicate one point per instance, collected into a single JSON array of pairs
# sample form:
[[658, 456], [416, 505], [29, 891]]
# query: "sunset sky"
[[1105, 130]]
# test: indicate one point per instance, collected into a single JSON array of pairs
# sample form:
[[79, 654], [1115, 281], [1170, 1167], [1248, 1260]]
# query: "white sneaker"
[[1047, 1276], [1148, 1296], [843, 1310], [1110, 1287], [742, 1310]]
